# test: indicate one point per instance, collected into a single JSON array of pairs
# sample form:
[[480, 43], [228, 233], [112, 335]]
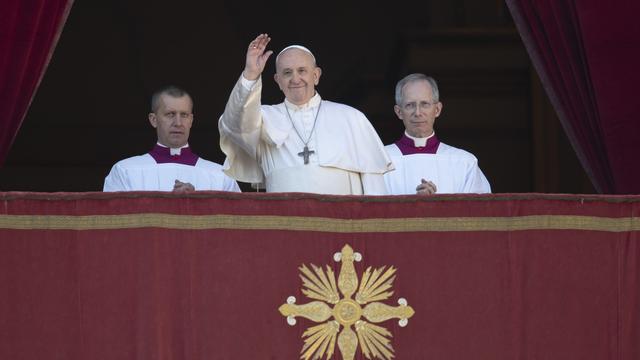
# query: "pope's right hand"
[[256, 57]]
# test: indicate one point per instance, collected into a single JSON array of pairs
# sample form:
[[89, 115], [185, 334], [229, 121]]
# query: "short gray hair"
[[414, 78], [170, 90]]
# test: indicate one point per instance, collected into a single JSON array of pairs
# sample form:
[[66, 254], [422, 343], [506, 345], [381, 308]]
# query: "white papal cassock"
[[263, 147], [452, 170]]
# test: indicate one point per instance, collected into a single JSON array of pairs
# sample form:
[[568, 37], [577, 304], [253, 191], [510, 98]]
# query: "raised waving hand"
[[257, 57]]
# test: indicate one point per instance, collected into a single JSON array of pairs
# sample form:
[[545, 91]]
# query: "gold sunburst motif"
[[356, 303]]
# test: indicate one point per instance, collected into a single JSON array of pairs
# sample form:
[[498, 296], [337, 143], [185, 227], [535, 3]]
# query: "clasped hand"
[[182, 187], [426, 188]]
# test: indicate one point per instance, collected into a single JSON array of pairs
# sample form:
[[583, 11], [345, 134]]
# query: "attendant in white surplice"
[[170, 165], [304, 144], [424, 165]]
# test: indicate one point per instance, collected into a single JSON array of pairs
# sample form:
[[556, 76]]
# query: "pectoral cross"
[[305, 154]]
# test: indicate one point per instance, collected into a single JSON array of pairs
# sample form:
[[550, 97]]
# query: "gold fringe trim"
[[320, 224]]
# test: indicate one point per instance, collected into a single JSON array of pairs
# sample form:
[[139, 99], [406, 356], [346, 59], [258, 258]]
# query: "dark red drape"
[[29, 31], [586, 54], [201, 276]]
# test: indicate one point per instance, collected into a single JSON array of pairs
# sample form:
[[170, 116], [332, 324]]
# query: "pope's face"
[[297, 75], [418, 111], [173, 120]]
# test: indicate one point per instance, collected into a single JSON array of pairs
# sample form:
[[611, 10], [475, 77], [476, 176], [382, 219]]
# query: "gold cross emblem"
[[320, 285]]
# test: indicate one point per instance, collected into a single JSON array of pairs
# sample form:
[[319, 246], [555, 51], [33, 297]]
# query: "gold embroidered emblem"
[[320, 285]]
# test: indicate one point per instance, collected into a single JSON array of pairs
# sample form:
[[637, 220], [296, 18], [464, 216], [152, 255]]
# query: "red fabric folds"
[[29, 31], [201, 276], [586, 55]]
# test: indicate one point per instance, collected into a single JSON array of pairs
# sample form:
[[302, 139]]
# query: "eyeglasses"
[[423, 105]]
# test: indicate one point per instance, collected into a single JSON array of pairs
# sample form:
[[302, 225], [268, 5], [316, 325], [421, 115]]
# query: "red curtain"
[[29, 31], [586, 54], [201, 276]]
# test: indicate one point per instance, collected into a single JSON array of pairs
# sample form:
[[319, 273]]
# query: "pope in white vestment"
[[304, 144]]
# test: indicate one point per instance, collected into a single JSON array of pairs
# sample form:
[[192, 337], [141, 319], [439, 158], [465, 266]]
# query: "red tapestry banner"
[[286, 276]]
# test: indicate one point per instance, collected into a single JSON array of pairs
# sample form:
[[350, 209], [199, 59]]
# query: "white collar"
[[175, 151], [420, 142], [313, 102]]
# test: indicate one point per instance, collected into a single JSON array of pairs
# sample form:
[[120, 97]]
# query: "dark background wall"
[[91, 108]]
